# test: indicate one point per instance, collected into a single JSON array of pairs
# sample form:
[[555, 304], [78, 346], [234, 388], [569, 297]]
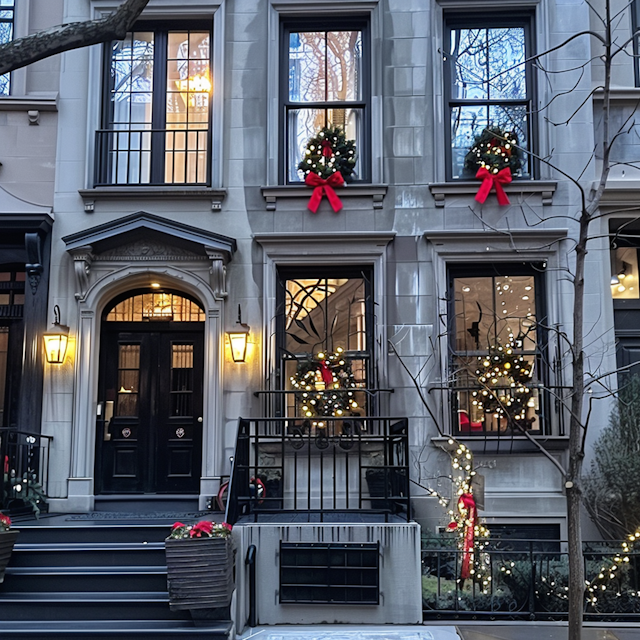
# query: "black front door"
[[149, 428]]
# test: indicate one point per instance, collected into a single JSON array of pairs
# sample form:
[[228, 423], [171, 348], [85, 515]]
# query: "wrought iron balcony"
[[294, 465], [142, 156]]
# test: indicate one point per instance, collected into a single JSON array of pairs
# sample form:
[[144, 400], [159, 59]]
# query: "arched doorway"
[[149, 424]]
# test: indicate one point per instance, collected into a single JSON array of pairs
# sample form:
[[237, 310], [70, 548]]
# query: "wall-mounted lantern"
[[238, 339], [56, 340]]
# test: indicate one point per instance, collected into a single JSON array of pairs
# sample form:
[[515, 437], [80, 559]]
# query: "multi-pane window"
[[496, 355], [488, 84], [157, 108], [326, 85], [157, 306], [327, 312], [6, 35]]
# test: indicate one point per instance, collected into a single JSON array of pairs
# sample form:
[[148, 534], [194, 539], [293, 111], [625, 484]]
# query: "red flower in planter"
[[204, 527], [5, 522]]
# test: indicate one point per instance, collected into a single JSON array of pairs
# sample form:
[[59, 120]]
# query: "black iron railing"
[[348, 465], [528, 580], [131, 156], [25, 464]]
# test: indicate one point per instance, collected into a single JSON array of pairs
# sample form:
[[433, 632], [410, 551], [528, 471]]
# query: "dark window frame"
[[537, 269], [479, 20], [11, 20], [161, 30], [635, 25], [363, 148]]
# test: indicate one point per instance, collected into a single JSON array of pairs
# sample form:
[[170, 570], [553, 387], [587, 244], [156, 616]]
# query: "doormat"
[[151, 515]]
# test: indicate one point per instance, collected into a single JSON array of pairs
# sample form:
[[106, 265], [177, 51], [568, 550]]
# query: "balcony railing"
[[348, 466], [529, 580], [25, 464], [152, 156]]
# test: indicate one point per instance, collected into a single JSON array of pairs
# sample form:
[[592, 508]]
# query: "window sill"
[[494, 444], [376, 192], [123, 192], [442, 190], [48, 102]]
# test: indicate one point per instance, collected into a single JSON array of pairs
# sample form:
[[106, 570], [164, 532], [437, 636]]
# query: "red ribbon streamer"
[[490, 180], [324, 187], [467, 507], [327, 376]]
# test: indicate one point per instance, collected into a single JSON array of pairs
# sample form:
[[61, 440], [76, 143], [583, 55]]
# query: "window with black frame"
[[488, 84], [6, 35], [325, 324], [496, 349], [156, 126], [324, 83]]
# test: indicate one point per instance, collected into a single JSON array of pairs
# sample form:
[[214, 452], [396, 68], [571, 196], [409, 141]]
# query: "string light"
[[325, 382]]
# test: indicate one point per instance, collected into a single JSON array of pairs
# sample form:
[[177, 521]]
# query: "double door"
[[149, 426]]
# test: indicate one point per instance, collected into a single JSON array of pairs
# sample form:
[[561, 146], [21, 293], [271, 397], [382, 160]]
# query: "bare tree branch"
[[65, 37]]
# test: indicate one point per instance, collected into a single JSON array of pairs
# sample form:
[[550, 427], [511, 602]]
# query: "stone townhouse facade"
[[150, 188]]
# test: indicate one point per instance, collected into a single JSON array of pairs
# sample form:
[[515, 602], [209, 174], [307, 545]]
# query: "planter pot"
[[200, 573], [7, 540]]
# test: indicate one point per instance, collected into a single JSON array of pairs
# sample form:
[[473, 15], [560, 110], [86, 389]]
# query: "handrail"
[[320, 466]]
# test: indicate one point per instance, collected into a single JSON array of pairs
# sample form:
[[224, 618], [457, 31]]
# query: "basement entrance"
[[149, 426]]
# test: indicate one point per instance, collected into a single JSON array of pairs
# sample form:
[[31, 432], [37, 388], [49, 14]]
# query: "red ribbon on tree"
[[490, 180], [327, 149], [467, 507], [323, 187], [327, 376]]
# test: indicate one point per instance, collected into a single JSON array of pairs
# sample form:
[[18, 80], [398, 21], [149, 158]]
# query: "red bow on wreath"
[[324, 187], [490, 180], [467, 507], [325, 372], [327, 149]]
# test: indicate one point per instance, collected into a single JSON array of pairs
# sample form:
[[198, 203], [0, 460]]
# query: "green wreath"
[[325, 381], [495, 149], [329, 151]]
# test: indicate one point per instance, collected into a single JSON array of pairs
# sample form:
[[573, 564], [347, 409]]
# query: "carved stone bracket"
[[34, 266], [82, 259], [218, 270]]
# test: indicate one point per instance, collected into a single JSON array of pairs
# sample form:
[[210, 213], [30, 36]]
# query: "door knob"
[[200, 419]]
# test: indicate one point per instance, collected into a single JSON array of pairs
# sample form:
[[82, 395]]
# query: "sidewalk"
[[459, 631]]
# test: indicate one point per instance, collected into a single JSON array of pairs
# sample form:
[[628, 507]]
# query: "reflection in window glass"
[[495, 354], [6, 35], [158, 119], [181, 379], [488, 88], [624, 273], [324, 67], [322, 315], [128, 379]]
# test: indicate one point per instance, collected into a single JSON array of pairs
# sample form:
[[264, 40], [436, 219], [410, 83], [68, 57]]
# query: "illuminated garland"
[[472, 532], [505, 377], [329, 152], [494, 149], [599, 583], [326, 381]]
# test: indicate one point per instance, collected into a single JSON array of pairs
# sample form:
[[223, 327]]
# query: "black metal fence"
[[528, 580], [356, 464], [25, 470]]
